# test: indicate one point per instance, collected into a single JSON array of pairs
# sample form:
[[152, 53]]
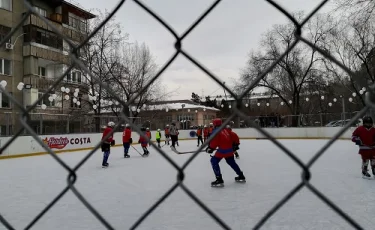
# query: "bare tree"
[[298, 71], [98, 56], [353, 44], [137, 68], [356, 10]]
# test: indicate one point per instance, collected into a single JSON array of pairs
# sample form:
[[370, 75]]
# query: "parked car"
[[342, 123], [331, 123]]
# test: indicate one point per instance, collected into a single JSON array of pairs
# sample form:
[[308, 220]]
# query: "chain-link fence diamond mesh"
[[72, 173]]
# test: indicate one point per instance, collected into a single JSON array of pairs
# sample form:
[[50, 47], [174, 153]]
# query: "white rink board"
[[71, 142]]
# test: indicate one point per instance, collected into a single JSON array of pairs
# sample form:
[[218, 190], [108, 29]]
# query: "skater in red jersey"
[[223, 142], [364, 137], [127, 140], [107, 143], [144, 142]]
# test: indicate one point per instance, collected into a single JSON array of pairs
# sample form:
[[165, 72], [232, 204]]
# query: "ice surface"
[[125, 190]]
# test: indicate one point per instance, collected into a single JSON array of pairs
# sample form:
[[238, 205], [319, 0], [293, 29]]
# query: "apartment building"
[[36, 56]]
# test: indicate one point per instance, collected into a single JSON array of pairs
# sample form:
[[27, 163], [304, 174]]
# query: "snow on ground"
[[125, 190]]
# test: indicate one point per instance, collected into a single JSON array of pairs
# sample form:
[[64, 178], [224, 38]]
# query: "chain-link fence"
[[72, 172]]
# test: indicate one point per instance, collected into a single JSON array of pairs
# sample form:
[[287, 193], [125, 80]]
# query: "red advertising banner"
[[62, 142]]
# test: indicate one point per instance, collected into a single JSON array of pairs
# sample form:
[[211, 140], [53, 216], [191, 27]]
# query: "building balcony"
[[45, 52], [43, 83], [57, 21], [74, 35], [36, 21]]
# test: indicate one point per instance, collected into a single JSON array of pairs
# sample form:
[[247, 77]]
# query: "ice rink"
[[125, 190]]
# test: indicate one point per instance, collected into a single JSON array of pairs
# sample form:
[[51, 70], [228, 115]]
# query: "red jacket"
[[126, 135], [143, 141], [105, 133], [224, 142], [367, 138], [205, 132], [199, 132], [166, 131], [148, 134]]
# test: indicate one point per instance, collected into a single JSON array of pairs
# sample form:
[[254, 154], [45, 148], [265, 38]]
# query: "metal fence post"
[[41, 124]]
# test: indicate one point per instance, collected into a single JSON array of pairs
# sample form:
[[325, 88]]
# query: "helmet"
[[205, 126], [127, 125], [158, 130], [217, 122], [367, 120], [111, 124], [228, 127], [167, 125], [211, 124], [147, 129]]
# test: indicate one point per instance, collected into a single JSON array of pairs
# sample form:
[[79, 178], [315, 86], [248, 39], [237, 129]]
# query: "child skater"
[[364, 137]]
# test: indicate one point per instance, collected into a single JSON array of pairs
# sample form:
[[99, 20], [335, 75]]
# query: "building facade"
[[36, 56], [185, 113]]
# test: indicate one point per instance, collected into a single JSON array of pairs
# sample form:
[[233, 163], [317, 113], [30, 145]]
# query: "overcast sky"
[[221, 42]]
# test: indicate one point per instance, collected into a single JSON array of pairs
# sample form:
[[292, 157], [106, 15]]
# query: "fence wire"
[[72, 172]]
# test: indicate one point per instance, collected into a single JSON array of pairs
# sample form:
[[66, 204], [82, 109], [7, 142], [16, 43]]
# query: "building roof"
[[178, 106], [159, 106], [74, 5]]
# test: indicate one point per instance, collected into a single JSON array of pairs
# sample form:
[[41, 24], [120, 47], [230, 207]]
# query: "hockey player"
[[127, 140], [364, 137], [148, 134], [107, 143], [236, 141], [158, 136], [223, 141], [173, 133], [144, 142], [166, 133], [205, 133], [199, 135]]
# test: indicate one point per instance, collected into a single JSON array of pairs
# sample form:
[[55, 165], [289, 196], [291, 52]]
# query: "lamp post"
[[196, 113], [182, 118], [186, 120]]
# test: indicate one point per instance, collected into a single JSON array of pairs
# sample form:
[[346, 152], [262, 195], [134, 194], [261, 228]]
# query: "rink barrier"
[[26, 146]]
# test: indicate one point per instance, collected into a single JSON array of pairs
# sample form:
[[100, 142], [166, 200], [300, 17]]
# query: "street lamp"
[[196, 112], [182, 119]]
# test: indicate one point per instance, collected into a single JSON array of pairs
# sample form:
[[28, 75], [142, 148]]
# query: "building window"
[[5, 67], [45, 100], [41, 71], [169, 118], [69, 77], [4, 30], [5, 102], [40, 11], [43, 37], [74, 77], [77, 77], [78, 24], [186, 117], [6, 4]]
